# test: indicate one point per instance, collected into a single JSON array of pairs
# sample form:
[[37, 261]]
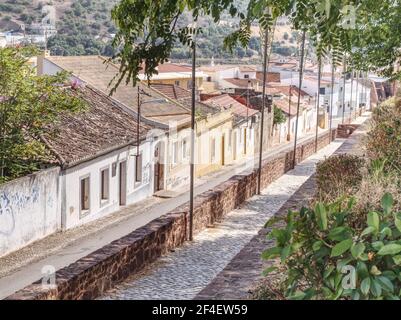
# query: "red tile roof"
[[227, 102], [170, 67], [171, 91], [243, 83]]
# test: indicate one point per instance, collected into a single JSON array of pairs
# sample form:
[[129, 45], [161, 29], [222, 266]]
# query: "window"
[[104, 184], [322, 91], [209, 79], [246, 76], [85, 194], [177, 83], [138, 168], [184, 149], [230, 137]]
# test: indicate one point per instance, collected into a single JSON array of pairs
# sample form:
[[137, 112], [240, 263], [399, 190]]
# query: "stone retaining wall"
[[94, 274]]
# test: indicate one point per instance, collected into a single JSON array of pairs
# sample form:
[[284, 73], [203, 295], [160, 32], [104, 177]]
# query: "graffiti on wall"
[[12, 204]]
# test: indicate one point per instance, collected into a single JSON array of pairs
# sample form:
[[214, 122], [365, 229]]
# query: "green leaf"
[[285, 253], [297, 296], [365, 286], [373, 220], [341, 247], [387, 203], [321, 216], [397, 221], [386, 232], [386, 284], [317, 245], [269, 270], [362, 270], [357, 249], [397, 259], [328, 272], [338, 234], [377, 245], [367, 231], [390, 249], [375, 271], [271, 253], [376, 288]]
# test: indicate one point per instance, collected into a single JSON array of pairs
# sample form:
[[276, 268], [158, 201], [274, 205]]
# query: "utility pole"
[[138, 121], [192, 164], [344, 75], [357, 107], [299, 98], [265, 45], [319, 77], [352, 88], [289, 112], [333, 69]]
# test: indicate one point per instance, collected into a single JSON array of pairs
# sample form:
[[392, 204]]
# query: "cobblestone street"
[[185, 272]]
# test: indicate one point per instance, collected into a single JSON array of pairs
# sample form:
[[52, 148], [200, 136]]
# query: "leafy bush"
[[384, 137], [326, 258], [338, 175], [278, 116]]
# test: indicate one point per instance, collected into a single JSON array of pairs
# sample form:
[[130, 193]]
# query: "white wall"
[[135, 191], [29, 209]]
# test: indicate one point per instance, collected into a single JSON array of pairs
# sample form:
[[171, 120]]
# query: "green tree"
[[279, 116], [148, 30], [28, 105]]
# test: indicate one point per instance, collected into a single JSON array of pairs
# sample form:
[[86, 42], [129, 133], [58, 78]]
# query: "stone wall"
[[92, 275]]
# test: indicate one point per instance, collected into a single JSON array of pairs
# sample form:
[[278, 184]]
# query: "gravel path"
[[184, 273]]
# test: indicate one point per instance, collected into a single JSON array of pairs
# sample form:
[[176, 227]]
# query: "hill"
[[84, 27]]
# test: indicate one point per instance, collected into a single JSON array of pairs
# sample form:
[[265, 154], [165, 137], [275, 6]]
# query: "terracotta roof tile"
[[95, 71], [227, 102], [103, 126]]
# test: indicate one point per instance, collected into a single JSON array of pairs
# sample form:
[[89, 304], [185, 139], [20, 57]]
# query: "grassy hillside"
[[84, 28]]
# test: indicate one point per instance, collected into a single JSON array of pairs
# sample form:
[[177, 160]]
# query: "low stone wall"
[[94, 274]]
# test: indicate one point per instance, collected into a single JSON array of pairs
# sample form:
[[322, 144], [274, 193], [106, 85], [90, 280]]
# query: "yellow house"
[[212, 126]]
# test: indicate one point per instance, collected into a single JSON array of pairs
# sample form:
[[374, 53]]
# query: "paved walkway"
[[243, 274], [184, 273]]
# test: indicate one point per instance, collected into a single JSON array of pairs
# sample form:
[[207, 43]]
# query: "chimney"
[[40, 62]]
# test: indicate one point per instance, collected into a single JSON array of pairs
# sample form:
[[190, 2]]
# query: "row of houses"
[[115, 153], [135, 144]]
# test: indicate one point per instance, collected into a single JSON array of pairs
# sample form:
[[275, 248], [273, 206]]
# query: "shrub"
[[384, 138], [325, 258], [338, 175]]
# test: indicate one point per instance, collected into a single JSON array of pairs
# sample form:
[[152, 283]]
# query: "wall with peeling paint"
[[29, 209]]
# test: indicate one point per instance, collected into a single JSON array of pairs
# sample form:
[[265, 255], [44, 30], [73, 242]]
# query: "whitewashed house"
[[104, 164]]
